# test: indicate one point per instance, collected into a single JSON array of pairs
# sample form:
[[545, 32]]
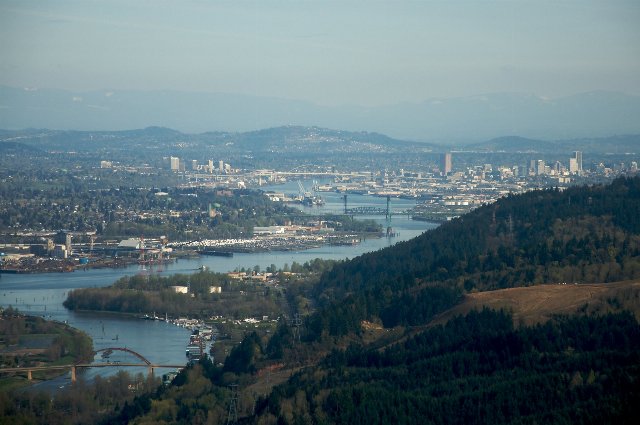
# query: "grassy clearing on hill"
[[537, 304]]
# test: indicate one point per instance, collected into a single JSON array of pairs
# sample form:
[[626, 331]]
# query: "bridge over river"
[[372, 210], [73, 367]]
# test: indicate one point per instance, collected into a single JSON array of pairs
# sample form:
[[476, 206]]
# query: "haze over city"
[[315, 61]]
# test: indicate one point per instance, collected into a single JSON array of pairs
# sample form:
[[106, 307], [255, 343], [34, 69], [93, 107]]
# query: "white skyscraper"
[[575, 163], [573, 166], [445, 163], [175, 163]]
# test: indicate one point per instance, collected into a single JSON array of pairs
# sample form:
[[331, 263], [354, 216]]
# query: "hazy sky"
[[329, 52]]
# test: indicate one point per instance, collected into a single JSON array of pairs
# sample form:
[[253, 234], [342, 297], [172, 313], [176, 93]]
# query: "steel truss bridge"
[[387, 212], [144, 362], [369, 211]]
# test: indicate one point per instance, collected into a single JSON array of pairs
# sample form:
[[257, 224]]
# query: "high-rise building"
[[577, 155], [533, 165], [194, 164], [221, 166], [573, 166], [211, 165], [175, 163], [541, 168], [445, 163]]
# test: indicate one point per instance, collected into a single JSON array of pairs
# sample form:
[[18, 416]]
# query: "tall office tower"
[[211, 165], [577, 155], [532, 167], [573, 166], [445, 163], [541, 168], [194, 164], [221, 166], [175, 163]]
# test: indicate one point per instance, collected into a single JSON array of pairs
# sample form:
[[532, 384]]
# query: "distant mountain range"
[[446, 121], [286, 140]]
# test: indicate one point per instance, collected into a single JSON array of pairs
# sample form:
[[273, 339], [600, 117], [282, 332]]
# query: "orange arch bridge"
[[126, 350], [145, 363]]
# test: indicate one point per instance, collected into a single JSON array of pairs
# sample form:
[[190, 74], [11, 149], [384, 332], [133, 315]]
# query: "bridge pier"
[[150, 372], [73, 374], [29, 377]]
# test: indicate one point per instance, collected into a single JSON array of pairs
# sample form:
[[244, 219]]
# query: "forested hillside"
[[580, 235], [476, 369]]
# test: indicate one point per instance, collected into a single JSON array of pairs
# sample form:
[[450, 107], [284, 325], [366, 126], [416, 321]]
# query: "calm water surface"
[[162, 343]]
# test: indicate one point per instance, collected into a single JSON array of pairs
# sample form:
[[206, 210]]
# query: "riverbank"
[[30, 341], [286, 240], [30, 265], [42, 294]]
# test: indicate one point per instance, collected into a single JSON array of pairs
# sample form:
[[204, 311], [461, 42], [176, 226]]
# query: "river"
[[160, 342]]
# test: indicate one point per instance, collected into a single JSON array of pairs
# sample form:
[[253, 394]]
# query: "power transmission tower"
[[510, 228], [388, 217], [232, 417], [296, 322]]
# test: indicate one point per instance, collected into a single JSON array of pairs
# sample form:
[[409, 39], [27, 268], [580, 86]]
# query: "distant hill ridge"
[[458, 120], [297, 139]]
